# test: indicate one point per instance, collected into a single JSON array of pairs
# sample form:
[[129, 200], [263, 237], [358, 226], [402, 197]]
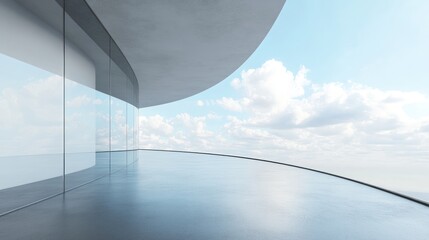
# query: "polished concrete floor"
[[187, 196]]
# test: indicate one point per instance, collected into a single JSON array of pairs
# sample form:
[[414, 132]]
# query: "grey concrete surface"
[[180, 48], [186, 196]]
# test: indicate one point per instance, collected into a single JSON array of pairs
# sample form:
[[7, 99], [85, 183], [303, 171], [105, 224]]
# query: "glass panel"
[[130, 133], [87, 66], [118, 134], [102, 140], [118, 125], [136, 134], [118, 113], [31, 102], [102, 122], [136, 128]]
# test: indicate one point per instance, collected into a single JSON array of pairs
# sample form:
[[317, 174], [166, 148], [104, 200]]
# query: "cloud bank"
[[342, 127], [286, 112]]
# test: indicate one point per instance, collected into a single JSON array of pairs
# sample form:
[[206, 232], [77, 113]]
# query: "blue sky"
[[353, 95], [382, 44]]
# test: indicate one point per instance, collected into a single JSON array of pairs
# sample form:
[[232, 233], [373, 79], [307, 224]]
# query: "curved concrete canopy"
[[180, 48]]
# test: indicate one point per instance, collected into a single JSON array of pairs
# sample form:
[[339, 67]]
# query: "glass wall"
[[67, 99], [31, 102], [85, 63]]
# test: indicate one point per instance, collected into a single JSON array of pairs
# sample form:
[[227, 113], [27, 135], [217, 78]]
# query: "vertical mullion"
[[138, 133], [64, 96], [126, 132], [110, 106]]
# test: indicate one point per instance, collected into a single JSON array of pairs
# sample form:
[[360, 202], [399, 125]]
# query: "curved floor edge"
[[418, 201]]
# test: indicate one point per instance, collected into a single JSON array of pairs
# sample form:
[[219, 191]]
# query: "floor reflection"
[[187, 196]]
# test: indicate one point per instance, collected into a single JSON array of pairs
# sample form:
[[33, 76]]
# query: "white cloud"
[[197, 125], [267, 89], [275, 98], [156, 124], [79, 101], [232, 104], [285, 116], [31, 117], [200, 103], [180, 132], [346, 128]]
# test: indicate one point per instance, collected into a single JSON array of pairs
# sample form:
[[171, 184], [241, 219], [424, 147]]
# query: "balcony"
[[170, 195]]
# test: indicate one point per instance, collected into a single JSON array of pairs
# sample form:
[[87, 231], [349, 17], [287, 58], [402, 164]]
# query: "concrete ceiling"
[[180, 48]]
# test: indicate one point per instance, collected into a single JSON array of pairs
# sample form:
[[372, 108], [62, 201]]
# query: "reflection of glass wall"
[[66, 100]]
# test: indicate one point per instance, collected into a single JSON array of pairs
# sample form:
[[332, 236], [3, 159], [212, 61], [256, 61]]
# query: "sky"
[[340, 86]]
